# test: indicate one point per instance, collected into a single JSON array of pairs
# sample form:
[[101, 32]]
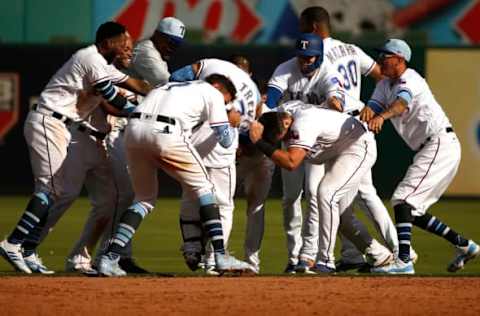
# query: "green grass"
[[157, 243]]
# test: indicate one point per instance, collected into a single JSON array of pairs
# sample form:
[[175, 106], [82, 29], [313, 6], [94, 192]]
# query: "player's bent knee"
[[403, 213]]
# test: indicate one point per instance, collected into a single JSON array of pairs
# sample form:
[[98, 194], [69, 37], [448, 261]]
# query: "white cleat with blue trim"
[[396, 267], [13, 254], [463, 255]]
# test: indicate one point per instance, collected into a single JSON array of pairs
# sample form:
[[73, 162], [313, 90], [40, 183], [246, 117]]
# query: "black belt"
[[158, 118], [354, 113], [85, 129], [58, 116], [68, 121], [447, 129]]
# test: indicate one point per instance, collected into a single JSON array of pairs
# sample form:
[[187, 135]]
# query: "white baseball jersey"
[[70, 91], [323, 132], [245, 102], [424, 117], [351, 63], [247, 96], [147, 64], [294, 85], [189, 103]]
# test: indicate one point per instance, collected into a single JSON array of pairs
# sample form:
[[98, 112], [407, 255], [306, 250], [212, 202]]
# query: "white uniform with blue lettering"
[[426, 129], [255, 172], [294, 85], [69, 93], [347, 150], [165, 144], [351, 63]]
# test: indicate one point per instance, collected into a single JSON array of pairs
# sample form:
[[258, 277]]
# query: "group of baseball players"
[[114, 114]]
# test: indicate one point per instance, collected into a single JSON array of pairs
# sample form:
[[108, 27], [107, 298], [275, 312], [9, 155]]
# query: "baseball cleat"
[[342, 265], [413, 255], [193, 260], [211, 270], [13, 254], [108, 266], [130, 266], [305, 266], [290, 268], [80, 264], [322, 269], [226, 263], [395, 267], [34, 262], [463, 255]]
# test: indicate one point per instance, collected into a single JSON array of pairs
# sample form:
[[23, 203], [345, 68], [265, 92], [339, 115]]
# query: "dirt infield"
[[239, 296]]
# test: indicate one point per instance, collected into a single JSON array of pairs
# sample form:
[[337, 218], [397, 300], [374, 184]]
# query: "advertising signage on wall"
[[9, 102], [454, 76]]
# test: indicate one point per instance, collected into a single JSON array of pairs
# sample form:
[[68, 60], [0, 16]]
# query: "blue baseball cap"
[[309, 44], [396, 47], [173, 28]]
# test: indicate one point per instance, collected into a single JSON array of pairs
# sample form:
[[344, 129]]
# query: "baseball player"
[[87, 163], [157, 136], [150, 66], [314, 83], [219, 161], [323, 136], [148, 62], [150, 56], [351, 63], [71, 94], [405, 99]]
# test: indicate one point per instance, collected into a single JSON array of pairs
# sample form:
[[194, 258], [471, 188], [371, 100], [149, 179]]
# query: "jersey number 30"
[[349, 73]]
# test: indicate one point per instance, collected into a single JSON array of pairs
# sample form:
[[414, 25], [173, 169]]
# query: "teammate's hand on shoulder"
[[376, 124], [366, 114], [256, 131]]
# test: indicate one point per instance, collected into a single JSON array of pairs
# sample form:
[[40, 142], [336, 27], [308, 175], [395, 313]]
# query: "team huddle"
[[114, 114]]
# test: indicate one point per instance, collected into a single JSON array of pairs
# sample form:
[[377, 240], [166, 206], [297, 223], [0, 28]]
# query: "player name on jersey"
[[340, 51]]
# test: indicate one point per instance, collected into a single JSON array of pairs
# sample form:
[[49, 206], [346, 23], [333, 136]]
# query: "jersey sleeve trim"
[[218, 123], [306, 147]]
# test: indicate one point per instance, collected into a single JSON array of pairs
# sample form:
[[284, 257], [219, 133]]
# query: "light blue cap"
[[397, 47]]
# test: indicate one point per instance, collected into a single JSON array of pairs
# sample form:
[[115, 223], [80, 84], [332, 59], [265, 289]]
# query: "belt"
[[158, 118], [354, 113], [67, 121], [447, 129], [85, 129]]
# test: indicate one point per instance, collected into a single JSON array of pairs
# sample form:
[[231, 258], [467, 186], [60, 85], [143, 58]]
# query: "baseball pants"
[[433, 169], [338, 188], [301, 233], [255, 172], [224, 181], [86, 163]]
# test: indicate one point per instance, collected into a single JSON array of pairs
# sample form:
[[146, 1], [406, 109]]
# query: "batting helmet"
[[309, 44]]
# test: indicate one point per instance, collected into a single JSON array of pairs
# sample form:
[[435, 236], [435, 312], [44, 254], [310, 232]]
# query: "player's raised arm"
[[136, 85]]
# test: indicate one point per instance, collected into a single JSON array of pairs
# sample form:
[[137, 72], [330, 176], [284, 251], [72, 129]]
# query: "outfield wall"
[[34, 65]]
